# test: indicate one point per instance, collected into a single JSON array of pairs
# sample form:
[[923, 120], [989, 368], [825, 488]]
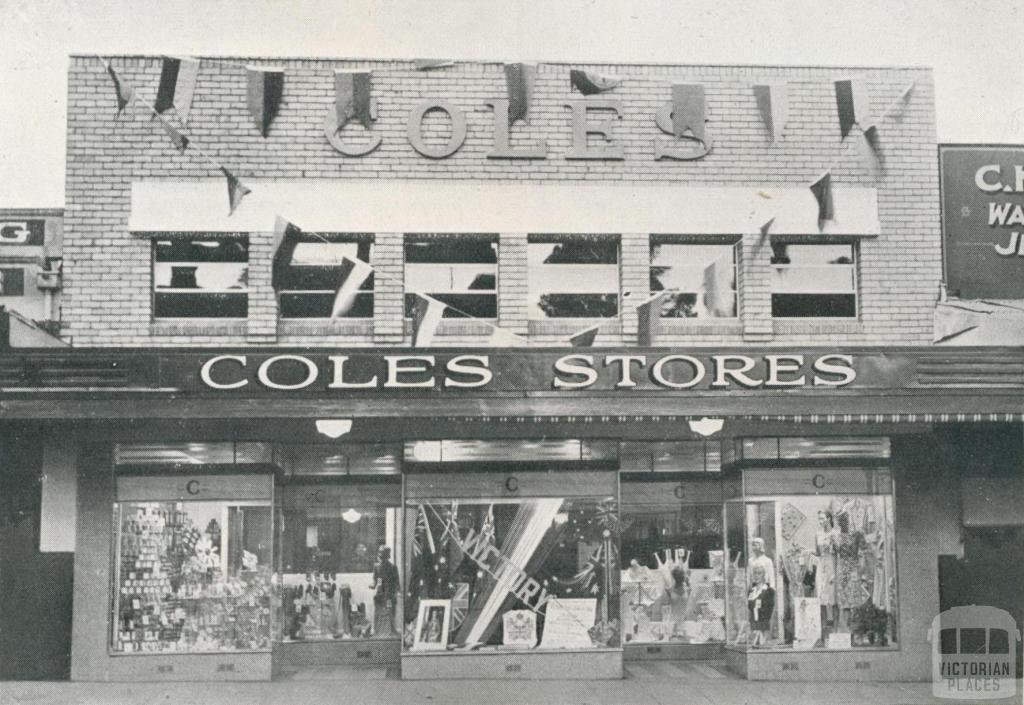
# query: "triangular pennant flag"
[[766, 228], [718, 288], [356, 274], [649, 320], [868, 148], [589, 83], [951, 321], [266, 86], [504, 338], [773, 104], [428, 64], [822, 190], [179, 139], [426, 319], [853, 104], [236, 190], [519, 81], [353, 97], [586, 337], [286, 237], [125, 91], [907, 92], [688, 110], [177, 85]]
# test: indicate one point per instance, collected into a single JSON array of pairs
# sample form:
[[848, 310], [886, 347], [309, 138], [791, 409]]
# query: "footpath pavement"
[[645, 684]]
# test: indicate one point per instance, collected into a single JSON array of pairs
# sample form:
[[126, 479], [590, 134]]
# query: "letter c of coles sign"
[[192, 487], [512, 483]]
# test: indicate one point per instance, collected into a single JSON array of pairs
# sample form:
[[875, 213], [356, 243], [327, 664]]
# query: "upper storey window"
[[814, 280], [201, 277], [458, 270], [573, 276], [701, 277], [319, 267]]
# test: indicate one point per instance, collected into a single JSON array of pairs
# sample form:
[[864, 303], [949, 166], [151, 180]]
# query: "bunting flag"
[[773, 104], [906, 93], [236, 190], [868, 149], [430, 64], [266, 86], [586, 337], [179, 139], [353, 98], [504, 338], [355, 274], [426, 319], [125, 91], [853, 104], [589, 83], [822, 190], [649, 320], [286, 237], [177, 86], [951, 321], [422, 536], [688, 110], [718, 288], [766, 228], [519, 81]]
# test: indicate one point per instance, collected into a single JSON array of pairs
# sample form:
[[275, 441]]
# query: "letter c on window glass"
[[192, 487], [512, 483]]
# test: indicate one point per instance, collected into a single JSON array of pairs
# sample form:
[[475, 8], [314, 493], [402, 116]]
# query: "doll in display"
[[760, 605], [759, 558]]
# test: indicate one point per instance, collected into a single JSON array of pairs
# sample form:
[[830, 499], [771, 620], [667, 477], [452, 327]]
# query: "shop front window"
[[313, 284], [673, 577], [814, 280], [523, 573], [191, 577], [812, 572]]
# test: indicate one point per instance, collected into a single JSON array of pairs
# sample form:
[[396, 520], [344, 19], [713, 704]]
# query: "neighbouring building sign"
[[983, 220]]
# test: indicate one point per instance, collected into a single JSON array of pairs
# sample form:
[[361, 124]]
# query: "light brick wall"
[[108, 271]]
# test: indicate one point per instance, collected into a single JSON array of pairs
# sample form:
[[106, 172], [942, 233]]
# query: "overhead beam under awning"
[[435, 205]]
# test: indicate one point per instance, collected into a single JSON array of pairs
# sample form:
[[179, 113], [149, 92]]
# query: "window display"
[[513, 574], [191, 577], [816, 571], [336, 576], [673, 585]]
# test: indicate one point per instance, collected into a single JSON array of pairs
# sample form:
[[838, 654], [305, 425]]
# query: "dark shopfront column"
[[35, 587]]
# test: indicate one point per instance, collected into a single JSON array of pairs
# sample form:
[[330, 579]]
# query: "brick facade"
[[108, 270]]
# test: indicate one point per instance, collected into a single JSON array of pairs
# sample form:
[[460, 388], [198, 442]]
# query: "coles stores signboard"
[[983, 220]]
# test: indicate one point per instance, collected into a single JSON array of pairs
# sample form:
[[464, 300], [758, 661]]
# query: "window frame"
[[172, 238], [854, 267], [452, 312], [735, 241], [341, 238], [532, 301]]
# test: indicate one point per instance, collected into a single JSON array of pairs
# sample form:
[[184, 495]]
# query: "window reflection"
[[573, 276], [703, 277]]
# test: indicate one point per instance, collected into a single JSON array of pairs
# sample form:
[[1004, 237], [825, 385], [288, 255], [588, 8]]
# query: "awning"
[[408, 206]]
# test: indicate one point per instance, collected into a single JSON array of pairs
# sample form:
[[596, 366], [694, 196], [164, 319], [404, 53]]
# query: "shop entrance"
[[339, 593]]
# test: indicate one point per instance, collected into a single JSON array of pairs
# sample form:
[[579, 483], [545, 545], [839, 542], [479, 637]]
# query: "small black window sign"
[[12, 282]]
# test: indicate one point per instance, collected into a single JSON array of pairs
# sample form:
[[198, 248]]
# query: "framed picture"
[[432, 623]]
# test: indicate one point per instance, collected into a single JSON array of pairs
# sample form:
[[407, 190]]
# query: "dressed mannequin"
[[385, 587], [675, 598], [825, 547], [760, 605], [758, 558]]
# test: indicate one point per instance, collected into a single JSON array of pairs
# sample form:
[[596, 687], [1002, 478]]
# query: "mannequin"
[[385, 587], [760, 605], [825, 547], [758, 558]]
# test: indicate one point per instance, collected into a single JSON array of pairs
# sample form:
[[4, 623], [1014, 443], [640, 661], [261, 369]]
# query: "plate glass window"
[[814, 281], [573, 276], [458, 270], [319, 268], [200, 278], [702, 277]]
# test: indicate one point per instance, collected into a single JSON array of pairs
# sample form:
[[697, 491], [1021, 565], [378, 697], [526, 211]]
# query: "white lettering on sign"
[[14, 233], [989, 178], [575, 371]]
